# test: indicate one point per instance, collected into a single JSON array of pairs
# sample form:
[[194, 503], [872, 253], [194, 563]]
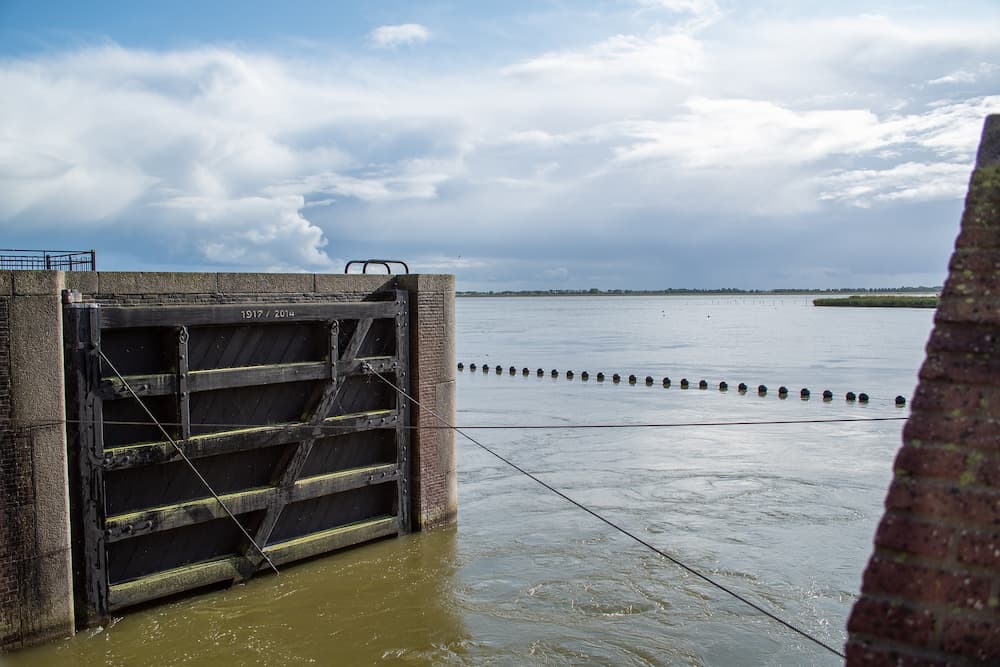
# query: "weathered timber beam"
[[238, 440], [168, 517], [171, 582], [188, 577], [127, 317], [165, 384], [334, 538]]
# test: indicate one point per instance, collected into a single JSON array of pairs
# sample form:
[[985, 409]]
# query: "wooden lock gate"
[[277, 407]]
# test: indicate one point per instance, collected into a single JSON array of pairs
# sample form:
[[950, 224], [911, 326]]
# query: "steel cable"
[[610, 523]]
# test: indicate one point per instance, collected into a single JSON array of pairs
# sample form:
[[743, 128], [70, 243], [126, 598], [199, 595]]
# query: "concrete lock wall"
[[36, 587]]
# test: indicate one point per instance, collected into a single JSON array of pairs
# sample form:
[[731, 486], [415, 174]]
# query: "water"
[[783, 513]]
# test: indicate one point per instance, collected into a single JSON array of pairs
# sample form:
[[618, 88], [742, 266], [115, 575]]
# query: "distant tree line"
[[673, 291]]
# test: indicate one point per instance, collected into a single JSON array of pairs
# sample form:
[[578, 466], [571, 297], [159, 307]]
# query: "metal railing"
[[51, 260]]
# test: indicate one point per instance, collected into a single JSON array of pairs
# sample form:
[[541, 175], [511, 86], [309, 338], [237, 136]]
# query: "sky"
[[554, 144]]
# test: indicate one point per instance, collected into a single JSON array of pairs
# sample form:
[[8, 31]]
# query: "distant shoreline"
[[705, 292]]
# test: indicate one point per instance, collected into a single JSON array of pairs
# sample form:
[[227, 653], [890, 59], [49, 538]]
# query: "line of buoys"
[[783, 391]]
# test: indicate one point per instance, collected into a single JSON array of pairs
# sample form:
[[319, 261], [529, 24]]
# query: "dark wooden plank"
[[171, 582], [334, 538], [197, 575], [225, 378], [161, 384], [164, 384], [167, 517], [123, 317], [244, 439]]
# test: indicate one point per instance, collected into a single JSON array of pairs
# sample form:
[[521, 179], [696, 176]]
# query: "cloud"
[[911, 181], [391, 36], [660, 146], [966, 76], [675, 57]]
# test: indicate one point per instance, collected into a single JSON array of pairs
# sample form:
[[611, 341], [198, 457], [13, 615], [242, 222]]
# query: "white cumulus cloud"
[[388, 36]]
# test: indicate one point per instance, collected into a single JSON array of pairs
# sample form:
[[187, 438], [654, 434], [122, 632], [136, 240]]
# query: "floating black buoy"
[[684, 383], [472, 367], [513, 370], [600, 376], [649, 380], [499, 369], [742, 387], [569, 375], [486, 368], [525, 371], [555, 373], [827, 395], [585, 375], [461, 366], [761, 389], [631, 379], [723, 386], [862, 397], [782, 391], [666, 382], [804, 394], [540, 372], [900, 401], [616, 378], [702, 384], [851, 396]]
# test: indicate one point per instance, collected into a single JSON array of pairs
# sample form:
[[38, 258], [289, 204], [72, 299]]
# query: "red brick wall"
[[432, 353], [930, 593]]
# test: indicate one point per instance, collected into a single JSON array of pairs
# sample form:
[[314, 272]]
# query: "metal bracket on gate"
[[382, 262]]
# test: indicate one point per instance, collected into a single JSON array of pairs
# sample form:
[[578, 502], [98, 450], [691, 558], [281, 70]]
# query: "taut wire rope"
[[498, 427], [610, 523]]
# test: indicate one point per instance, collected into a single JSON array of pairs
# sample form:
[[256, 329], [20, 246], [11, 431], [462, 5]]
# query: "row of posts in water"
[[742, 388]]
